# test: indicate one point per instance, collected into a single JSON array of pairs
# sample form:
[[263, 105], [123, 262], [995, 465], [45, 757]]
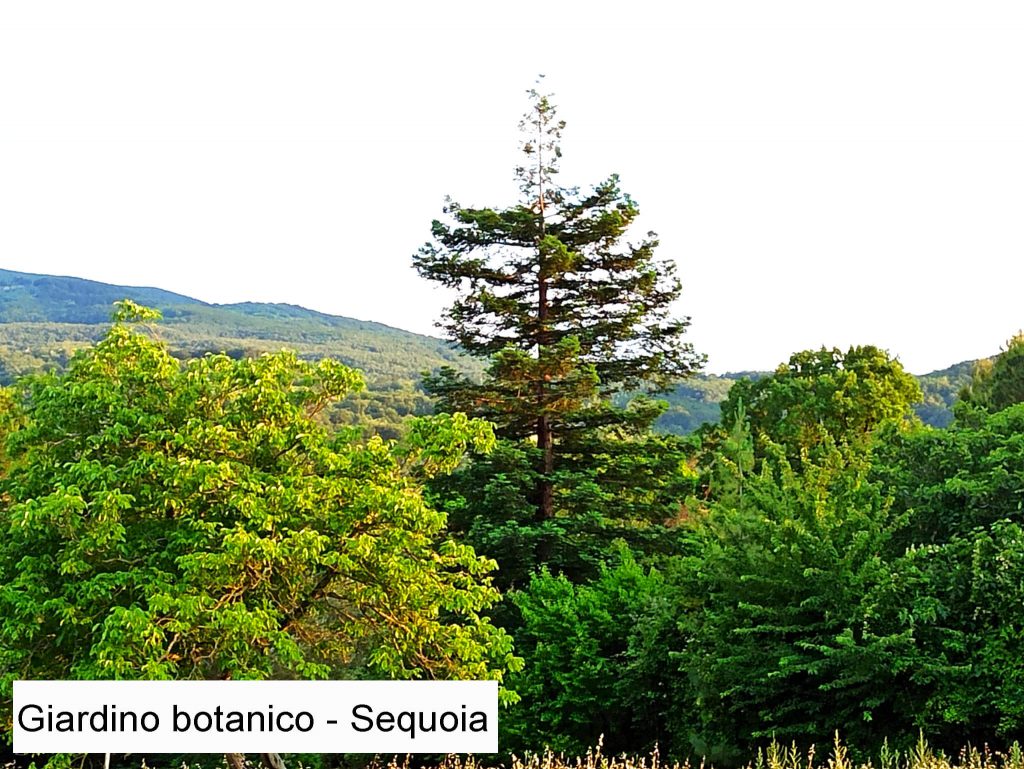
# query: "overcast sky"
[[823, 173]]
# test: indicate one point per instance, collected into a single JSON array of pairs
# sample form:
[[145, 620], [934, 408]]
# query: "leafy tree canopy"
[[820, 395], [556, 266], [167, 520], [786, 641]]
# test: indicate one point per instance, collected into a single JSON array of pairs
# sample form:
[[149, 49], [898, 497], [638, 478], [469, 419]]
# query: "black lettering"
[[36, 721], [123, 721], [298, 721], [281, 720], [149, 714], [367, 719], [428, 727], [178, 714], [407, 723], [236, 723], [478, 722]]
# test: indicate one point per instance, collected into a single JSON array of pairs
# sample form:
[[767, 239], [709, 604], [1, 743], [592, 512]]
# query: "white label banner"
[[255, 716]]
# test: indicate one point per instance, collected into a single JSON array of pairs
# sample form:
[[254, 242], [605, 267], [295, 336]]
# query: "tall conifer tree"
[[567, 310]]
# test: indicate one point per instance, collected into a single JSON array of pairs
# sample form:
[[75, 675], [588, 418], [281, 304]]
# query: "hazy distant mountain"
[[25, 297], [43, 318]]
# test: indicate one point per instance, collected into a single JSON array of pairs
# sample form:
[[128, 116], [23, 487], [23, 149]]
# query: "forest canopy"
[[195, 520]]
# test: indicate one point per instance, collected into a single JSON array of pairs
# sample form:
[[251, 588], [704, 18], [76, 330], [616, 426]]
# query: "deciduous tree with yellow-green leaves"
[[164, 520]]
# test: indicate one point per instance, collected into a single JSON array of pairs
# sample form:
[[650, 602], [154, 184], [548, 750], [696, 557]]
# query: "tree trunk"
[[269, 760], [545, 440], [545, 488], [272, 760], [545, 493]]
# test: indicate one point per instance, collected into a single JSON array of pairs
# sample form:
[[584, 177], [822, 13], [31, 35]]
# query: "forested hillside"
[[44, 318]]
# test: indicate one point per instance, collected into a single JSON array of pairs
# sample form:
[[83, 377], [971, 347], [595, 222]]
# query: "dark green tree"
[[959, 565], [567, 310], [997, 382], [600, 662], [792, 638]]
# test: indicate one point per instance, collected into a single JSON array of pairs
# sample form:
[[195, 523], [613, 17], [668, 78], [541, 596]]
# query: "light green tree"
[[820, 397], [195, 521]]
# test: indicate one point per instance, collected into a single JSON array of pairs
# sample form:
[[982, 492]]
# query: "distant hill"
[[940, 392], [28, 298], [43, 318], [80, 309]]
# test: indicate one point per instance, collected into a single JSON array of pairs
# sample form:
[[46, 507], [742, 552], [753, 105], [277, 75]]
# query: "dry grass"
[[776, 756]]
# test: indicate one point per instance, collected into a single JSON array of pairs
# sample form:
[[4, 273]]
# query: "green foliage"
[[785, 642], [608, 487], [169, 520], [692, 403], [954, 481], [506, 396], [821, 397], [45, 319], [940, 390], [998, 382], [599, 661], [35, 310], [39, 298], [969, 605], [568, 314], [127, 311], [557, 266], [824, 564], [734, 460], [960, 494], [869, 593]]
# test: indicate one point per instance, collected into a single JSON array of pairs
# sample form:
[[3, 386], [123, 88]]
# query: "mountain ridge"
[[93, 305], [45, 317]]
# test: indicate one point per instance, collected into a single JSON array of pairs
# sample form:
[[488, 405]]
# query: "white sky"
[[824, 173]]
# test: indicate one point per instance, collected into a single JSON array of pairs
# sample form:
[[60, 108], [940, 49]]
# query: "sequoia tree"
[[551, 291]]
